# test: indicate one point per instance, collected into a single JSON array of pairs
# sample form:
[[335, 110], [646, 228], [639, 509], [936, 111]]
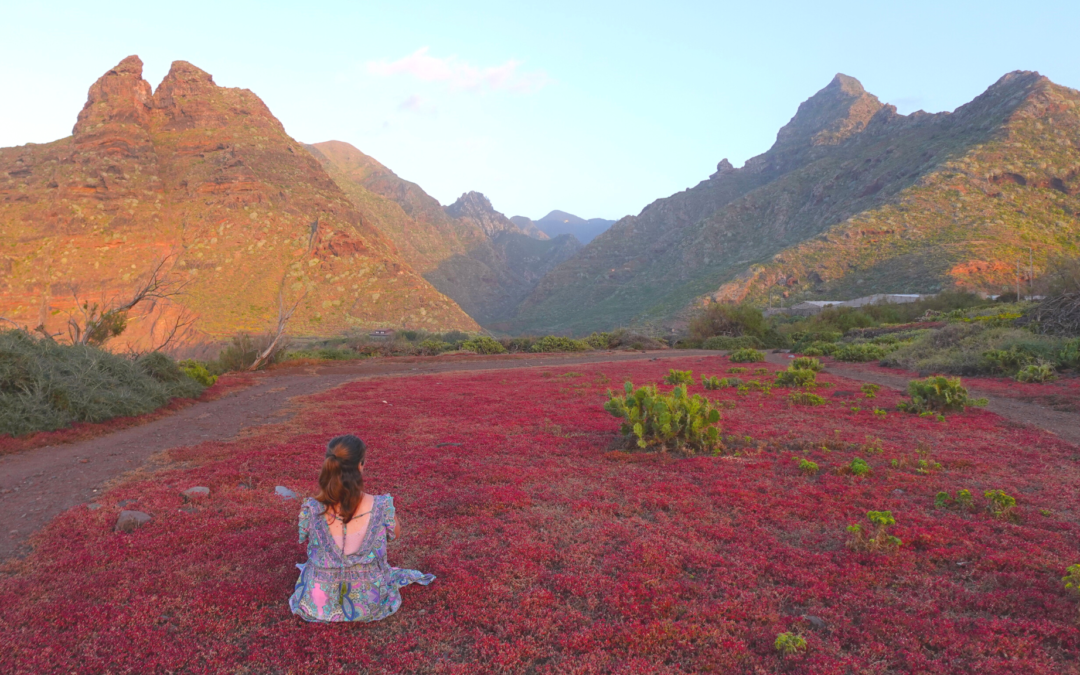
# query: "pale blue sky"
[[594, 108]]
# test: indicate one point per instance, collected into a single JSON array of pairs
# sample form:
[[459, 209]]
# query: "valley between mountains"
[[852, 199]]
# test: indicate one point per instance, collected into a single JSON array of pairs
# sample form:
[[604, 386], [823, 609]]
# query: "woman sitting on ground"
[[346, 576]]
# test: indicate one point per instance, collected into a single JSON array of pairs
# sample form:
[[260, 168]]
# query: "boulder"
[[196, 492], [129, 521], [284, 492]]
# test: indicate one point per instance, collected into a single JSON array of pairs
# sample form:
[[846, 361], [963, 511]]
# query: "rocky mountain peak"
[[189, 98], [471, 204], [117, 111], [476, 207], [724, 167], [838, 111]]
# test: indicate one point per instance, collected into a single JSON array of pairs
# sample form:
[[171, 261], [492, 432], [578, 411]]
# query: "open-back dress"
[[358, 586]]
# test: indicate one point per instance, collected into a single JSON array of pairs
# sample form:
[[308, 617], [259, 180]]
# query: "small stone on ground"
[[129, 521], [285, 492]]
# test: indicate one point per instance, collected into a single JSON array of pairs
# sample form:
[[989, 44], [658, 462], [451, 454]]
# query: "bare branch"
[[181, 326], [104, 320], [284, 314]]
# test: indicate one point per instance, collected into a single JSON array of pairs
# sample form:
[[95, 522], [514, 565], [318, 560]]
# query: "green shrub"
[[747, 356], [726, 342], [819, 348], [324, 354], [433, 347], [975, 349], [795, 377], [198, 372], [874, 537], [755, 385], [737, 370], [962, 502], [807, 467], [46, 386], [675, 421], [870, 390], [858, 467], [679, 377], [483, 344], [1036, 372], [860, 353], [805, 398], [555, 343], [938, 394], [713, 382], [1001, 505], [789, 644], [728, 320], [518, 344], [1072, 580], [1068, 355], [806, 363]]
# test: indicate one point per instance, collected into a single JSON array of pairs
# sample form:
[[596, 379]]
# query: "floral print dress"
[[359, 586]]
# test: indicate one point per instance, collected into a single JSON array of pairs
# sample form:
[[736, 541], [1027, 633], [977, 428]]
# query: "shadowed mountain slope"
[[467, 250], [205, 177], [852, 199]]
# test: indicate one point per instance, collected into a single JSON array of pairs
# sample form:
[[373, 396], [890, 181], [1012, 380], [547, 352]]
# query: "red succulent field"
[[556, 553], [1061, 394]]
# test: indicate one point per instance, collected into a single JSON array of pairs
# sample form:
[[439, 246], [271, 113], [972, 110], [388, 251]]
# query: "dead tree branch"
[[284, 314]]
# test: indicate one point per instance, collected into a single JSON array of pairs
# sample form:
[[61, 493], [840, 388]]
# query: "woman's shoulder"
[[313, 505]]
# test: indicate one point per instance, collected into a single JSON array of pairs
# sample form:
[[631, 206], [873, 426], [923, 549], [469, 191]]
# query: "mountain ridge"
[[846, 169], [207, 179], [468, 250]]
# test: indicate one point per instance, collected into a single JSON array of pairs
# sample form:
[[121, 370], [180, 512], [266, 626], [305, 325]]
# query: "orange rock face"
[[205, 177]]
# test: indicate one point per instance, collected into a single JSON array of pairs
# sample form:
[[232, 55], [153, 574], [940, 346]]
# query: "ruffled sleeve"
[[389, 518], [305, 521]]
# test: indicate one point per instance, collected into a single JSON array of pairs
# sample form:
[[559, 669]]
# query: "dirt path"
[[38, 484], [1064, 425]]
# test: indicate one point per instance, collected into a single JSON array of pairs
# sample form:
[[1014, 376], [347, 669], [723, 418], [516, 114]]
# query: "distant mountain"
[[561, 222], [527, 226], [851, 199], [467, 250], [205, 177]]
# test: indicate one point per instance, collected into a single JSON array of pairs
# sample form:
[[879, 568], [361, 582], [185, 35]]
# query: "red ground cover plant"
[[556, 554], [81, 431], [1061, 394]]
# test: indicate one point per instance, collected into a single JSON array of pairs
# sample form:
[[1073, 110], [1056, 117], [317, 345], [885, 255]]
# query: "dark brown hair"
[[340, 481]]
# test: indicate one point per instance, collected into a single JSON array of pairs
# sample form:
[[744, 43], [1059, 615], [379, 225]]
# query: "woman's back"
[[357, 583], [355, 530]]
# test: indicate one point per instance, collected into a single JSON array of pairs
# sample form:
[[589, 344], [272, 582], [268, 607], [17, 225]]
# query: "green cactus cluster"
[[938, 394], [677, 421]]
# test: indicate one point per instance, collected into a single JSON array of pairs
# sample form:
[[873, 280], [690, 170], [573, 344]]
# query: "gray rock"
[[897, 492], [284, 492], [125, 502], [188, 509], [94, 506], [129, 521], [815, 621], [196, 492]]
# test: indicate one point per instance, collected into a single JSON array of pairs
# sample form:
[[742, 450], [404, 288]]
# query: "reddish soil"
[[38, 484]]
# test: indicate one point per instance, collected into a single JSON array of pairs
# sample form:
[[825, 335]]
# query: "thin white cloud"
[[417, 104], [461, 75]]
